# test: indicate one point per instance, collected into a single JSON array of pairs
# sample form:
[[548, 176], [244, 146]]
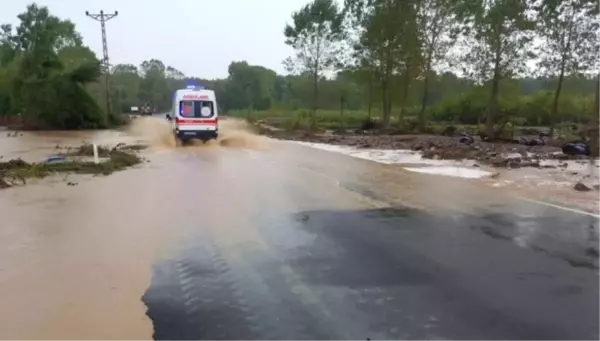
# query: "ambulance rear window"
[[196, 109]]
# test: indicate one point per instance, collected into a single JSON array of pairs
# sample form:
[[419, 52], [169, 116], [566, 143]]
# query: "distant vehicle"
[[194, 114], [146, 110]]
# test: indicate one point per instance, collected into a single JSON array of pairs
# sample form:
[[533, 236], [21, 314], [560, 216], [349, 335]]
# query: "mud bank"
[[72, 160], [497, 154]]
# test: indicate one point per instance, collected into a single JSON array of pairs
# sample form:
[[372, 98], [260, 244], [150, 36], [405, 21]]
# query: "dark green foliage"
[[45, 69]]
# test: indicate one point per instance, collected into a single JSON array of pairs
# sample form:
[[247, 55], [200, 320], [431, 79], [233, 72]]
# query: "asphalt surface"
[[295, 243]]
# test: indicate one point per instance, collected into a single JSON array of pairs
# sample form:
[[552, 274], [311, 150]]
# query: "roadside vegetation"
[[75, 160], [46, 74]]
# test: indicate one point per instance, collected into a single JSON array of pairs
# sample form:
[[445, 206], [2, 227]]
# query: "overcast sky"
[[198, 37]]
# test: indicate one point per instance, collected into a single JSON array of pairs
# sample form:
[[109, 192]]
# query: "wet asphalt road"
[[296, 243]]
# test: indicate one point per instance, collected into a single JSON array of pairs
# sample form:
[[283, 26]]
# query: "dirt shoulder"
[[496, 154]]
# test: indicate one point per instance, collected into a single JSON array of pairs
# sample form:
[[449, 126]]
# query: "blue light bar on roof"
[[193, 85]]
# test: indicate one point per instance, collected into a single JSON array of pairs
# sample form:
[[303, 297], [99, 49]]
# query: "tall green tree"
[[315, 36], [153, 86], [570, 32], [250, 86], [125, 86], [497, 35], [436, 21], [386, 44]]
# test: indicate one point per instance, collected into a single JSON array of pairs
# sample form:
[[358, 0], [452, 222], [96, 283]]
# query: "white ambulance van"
[[194, 114]]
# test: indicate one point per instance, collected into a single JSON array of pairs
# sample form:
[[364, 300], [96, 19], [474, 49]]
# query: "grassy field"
[[350, 119], [300, 119], [325, 119]]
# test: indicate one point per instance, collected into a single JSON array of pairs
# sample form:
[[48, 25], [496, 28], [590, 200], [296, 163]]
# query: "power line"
[[103, 18]]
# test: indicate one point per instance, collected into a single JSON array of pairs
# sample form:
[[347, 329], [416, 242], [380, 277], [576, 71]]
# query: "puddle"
[[461, 172], [454, 168]]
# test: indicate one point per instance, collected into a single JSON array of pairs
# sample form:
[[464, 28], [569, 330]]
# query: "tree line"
[[400, 47], [529, 62]]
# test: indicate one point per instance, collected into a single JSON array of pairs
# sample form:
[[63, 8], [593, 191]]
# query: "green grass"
[[331, 119], [354, 119], [300, 119]]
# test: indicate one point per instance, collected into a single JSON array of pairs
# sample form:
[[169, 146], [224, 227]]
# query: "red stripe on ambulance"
[[183, 121]]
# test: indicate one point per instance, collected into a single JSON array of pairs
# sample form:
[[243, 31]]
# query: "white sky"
[[198, 37]]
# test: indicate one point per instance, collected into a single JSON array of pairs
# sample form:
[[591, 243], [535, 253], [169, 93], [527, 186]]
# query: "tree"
[[497, 36], [153, 86], [125, 86], [436, 23], [250, 86], [44, 90], [386, 44], [315, 35], [39, 30], [74, 56], [173, 73], [570, 32]]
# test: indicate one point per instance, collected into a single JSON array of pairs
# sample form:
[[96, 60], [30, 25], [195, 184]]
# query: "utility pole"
[[103, 18]]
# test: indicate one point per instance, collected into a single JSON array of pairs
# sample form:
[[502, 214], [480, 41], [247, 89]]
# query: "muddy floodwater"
[[358, 249], [75, 260]]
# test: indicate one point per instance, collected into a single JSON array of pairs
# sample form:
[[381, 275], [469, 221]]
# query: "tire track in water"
[[210, 293], [190, 297]]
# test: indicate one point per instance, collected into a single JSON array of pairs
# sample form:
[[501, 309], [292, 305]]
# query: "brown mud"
[[496, 154]]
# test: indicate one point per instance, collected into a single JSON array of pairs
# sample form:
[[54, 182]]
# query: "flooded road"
[[249, 238]]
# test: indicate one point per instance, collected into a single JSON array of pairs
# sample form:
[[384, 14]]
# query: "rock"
[[576, 148], [581, 187], [4, 184], [429, 154], [466, 139], [535, 164], [499, 162], [513, 164], [596, 187]]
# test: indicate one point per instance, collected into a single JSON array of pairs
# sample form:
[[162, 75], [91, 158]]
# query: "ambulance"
[[194, 114]]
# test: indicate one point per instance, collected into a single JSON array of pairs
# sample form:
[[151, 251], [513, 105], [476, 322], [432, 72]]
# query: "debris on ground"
[[525, 151], [56, 158], [581, 187], [16, 171], [15, 133], [576, 148]]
